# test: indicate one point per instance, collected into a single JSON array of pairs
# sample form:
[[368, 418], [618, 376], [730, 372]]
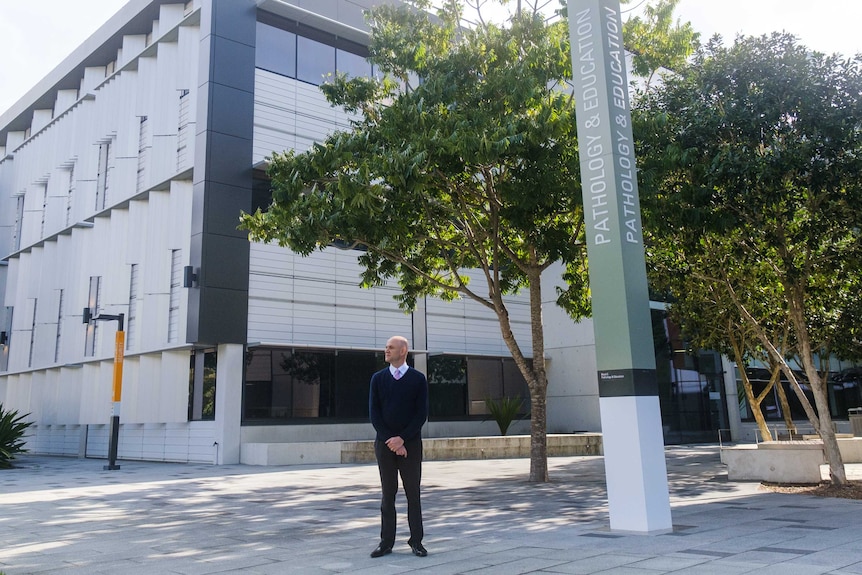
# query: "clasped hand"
[[396, 444]]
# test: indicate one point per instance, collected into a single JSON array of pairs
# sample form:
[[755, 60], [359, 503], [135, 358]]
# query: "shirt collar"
[[402, 369]]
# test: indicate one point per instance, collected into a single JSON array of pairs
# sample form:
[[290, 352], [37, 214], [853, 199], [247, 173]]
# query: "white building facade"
[[122, 177]]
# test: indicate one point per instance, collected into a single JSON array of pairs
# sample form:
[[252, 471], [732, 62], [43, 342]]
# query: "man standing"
[[398, 404]]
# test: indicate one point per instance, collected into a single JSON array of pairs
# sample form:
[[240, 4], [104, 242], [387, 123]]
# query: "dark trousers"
[[410, 469]]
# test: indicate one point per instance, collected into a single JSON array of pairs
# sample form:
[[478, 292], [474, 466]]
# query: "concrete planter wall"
[[433, 449], [785, 461]]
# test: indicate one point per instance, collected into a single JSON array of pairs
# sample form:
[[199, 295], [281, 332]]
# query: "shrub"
[[12, 429], [504, 411]]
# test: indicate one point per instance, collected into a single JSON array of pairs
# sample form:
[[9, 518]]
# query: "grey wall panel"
[[231, 111], [217, 208], [227, 160], [218, 306], [221, 256], [230, 20], [232, 63]]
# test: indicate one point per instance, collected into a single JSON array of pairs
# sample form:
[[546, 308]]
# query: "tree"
[[706, 313], [658, 42], [464, 157], [755, 148]]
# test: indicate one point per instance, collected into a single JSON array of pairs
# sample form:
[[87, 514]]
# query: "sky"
[[38, 34]]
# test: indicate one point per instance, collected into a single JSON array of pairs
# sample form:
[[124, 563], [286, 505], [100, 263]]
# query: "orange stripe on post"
[[120, 345]]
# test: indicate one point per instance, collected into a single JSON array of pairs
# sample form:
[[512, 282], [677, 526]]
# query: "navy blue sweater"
[[398, 407]]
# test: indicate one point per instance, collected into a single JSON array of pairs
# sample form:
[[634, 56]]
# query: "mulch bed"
[[851, 490]]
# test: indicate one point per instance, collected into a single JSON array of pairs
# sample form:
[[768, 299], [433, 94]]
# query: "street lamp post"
[[119, 347]]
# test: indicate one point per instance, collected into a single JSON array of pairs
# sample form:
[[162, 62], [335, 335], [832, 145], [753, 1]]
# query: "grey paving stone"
[[60, 515]]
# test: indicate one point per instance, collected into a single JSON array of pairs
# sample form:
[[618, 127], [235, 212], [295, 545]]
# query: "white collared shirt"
[[402, 369]]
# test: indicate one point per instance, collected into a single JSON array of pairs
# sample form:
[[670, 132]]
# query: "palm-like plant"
[[504, 411], [12, 430]]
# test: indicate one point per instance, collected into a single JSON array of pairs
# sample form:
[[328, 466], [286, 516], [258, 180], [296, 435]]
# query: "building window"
[[447, 385], [202, 384], [132, 322], [4, 349], [275, 50], [174, 305], [143, 152], [93, 302], [352, 64], [315, 61], [70, 194], [19, 224], [44, 210], [185, 131], [58, 342], [690, 385], [844, 392], [296, 384], [103, 176], [290, 49], [493, 379], [305, 384], [32, 333]]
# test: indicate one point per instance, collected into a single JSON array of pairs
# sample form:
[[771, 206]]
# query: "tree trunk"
[[827, 432], [755, 402], [818, 386], [785, 405], [539, 394], [756, 412], [538, 437], [536, 377]]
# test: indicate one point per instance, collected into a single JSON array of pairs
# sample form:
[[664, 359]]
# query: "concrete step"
[[433, 449]]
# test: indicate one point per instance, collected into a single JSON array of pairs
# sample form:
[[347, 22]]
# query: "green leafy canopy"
[[464, 156]]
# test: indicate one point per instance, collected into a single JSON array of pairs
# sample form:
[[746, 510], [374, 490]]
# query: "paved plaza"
[[69, 516]]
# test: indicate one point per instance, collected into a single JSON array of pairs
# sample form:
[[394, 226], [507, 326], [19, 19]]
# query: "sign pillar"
[[116, 397], [635, 467]]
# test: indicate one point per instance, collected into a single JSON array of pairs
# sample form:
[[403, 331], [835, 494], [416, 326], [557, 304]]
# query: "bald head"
[[396, 349]]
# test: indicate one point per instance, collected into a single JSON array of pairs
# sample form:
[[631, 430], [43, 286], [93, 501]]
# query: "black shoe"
[[381, 550], [418, 550]]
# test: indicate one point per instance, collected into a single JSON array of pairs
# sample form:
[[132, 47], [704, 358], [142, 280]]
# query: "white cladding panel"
[[289, 114], [301, 300], [317, 300], [104, 250], [466, 326], [110, 113]]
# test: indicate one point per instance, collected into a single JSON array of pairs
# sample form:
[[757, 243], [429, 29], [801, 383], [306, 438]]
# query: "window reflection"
[[307, 54], [690, 385], [293, 385], [354, 65], [315, 62], [202, 384], [275, 50], [845, 393]]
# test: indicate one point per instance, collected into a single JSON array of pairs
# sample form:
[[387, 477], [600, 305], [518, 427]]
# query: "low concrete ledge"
[[323, 452], [433, 449], [774, 461], [785, 461]]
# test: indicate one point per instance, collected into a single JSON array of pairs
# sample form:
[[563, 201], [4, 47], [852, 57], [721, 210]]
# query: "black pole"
[[114, 438], [112, 445]]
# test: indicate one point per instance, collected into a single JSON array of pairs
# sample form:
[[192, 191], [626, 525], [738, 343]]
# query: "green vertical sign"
[[620, 297]]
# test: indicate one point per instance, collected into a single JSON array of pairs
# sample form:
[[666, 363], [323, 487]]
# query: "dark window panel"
[[315, 62], [354, 65], [275, 50]]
